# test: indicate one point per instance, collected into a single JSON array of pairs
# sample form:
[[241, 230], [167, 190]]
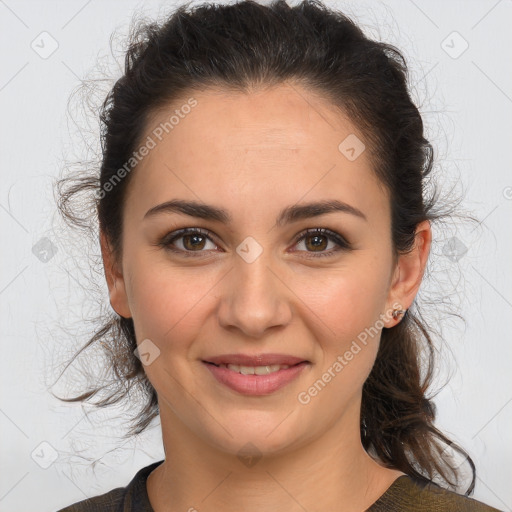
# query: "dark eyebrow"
[[288, 215]]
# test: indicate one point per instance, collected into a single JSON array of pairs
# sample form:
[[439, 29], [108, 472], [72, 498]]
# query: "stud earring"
[[397, 312]]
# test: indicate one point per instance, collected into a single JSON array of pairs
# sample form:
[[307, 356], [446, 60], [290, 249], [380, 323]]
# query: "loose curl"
[[240, 47]]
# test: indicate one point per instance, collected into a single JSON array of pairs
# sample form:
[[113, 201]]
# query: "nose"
[[255, 297]]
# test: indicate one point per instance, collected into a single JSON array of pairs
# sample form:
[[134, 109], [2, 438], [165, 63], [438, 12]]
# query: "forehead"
[[275, 145]]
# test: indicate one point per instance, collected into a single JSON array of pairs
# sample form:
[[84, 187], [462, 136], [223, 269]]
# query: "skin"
[[254, 154]]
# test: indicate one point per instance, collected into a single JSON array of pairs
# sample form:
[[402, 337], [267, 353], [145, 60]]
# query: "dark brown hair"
[[238, 47]]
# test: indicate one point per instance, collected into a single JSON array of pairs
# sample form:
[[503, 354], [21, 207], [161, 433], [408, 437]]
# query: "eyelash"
[[343, 245]]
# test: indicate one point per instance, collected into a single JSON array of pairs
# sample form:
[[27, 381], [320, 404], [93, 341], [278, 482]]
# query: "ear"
[[408, 273], [115, 279]]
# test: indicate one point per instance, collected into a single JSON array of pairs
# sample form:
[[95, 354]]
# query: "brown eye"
[[317, 240], [193, 240]]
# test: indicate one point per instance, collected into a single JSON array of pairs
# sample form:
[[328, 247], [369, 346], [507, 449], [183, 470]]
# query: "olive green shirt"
[[404, 495]]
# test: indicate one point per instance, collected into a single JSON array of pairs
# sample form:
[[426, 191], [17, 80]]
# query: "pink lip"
[[256, 384], [255, 360]]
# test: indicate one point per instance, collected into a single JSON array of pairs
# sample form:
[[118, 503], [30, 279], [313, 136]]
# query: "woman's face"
[[245, 285]]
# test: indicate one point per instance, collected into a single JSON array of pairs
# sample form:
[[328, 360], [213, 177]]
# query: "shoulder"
[[408, 494], [132, 498], [109, 502]]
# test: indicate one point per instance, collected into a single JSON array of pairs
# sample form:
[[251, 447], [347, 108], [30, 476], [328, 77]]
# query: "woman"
[[265, 227]]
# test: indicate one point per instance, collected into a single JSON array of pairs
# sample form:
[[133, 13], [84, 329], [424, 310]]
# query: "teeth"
[[255, 370]]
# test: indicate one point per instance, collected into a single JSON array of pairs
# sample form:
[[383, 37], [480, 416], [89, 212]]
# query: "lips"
[[255, 360], [257, 385]]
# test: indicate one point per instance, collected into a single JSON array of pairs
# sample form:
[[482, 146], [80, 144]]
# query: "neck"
[[321, 474]]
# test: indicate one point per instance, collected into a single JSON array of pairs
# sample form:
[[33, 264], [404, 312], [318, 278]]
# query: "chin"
[[255, 438]]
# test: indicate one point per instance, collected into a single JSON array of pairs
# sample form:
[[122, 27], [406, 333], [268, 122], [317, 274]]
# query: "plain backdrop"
[[461, 76]]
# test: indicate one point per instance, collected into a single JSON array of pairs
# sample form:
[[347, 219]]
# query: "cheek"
[[348, 299], [167, 304], [349, 303], [170, 304]]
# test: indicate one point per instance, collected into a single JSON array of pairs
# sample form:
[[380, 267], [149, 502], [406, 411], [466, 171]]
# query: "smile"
[[256, 380]]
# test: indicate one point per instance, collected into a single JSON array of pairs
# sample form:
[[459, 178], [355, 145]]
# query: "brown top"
[[404, 495]]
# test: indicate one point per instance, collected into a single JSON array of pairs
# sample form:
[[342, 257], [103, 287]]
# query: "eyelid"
[[342, 243]]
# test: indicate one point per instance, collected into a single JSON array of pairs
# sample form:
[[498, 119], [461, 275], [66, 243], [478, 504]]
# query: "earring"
[[397, 312]]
